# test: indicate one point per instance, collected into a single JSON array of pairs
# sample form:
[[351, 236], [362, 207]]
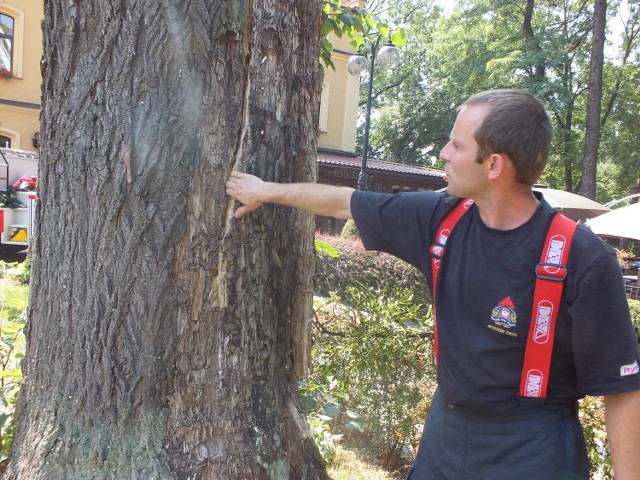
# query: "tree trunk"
[[533, 43], [594, 105], [164, 337]]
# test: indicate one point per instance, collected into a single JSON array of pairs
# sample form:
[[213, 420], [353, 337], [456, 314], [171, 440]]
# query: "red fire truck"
[[18, 177]]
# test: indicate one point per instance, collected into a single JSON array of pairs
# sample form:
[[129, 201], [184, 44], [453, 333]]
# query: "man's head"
[[516, 124]]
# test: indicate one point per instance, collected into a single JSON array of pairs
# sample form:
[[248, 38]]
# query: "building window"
[[7, 28], [5, 142], [323, 122]]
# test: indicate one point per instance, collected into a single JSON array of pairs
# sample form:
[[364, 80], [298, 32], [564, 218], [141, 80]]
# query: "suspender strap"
[[550, 275], [437, 253]]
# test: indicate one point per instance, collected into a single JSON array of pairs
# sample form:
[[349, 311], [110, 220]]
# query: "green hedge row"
[[356, 267]]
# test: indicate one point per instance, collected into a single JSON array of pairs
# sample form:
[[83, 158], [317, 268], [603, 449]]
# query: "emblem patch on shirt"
[[504, 317], [504, 314], [628, 370]]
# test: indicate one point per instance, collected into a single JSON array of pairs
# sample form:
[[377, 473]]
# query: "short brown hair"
[[516, 124]]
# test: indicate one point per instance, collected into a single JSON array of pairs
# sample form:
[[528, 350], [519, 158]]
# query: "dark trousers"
[[535, 443]]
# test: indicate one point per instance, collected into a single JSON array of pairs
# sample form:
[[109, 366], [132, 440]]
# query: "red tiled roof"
[[327, 158]]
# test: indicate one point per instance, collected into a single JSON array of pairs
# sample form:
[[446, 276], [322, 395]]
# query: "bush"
[[372, 364], [356, 267], [350, 230], [13, 303], [634, 308], [595, 436]]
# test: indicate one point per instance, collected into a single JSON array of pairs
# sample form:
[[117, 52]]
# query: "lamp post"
[[388, 57]]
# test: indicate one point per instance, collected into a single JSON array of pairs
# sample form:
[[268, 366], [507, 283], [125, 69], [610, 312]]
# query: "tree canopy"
[[543, 47]]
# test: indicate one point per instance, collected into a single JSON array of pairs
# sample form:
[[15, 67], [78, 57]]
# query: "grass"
[[351, 465]]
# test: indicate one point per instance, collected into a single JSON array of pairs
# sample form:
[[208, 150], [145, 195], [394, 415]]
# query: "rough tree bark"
[[594, 104], [164, 337]]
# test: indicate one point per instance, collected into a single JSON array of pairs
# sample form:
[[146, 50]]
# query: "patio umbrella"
[[622, 223], [576, 207]]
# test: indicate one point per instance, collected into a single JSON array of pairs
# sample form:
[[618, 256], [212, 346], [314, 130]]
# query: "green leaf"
[[399, 38], [347, 19], [329, 26], [357, 41], [331, 410], [383, 30], [13, 373], [353, 426], [326, 248]]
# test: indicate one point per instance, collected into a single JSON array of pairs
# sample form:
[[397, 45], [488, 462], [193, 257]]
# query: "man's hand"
[[324, 200], [247, 189]]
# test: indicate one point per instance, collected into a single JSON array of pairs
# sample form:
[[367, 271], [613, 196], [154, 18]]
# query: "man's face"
[[464, 176]]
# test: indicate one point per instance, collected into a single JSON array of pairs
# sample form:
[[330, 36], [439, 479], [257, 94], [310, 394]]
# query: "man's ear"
[[497, 164]]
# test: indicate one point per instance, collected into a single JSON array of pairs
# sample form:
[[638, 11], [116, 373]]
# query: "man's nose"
[[444, 153]]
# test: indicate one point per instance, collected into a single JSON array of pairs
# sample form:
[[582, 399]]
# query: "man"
[[478, 426]]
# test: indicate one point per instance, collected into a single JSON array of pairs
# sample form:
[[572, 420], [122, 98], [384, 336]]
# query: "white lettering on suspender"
[[542, 323], [438, 249], [628, 370], [534, 383], [554, 253]]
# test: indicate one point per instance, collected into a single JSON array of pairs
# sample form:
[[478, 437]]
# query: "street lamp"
[[388, 57]]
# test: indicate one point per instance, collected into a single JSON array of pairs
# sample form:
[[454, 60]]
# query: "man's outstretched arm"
[[319, 199]]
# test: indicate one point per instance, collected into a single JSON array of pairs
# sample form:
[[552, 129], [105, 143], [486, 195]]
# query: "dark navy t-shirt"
[[485, 297]]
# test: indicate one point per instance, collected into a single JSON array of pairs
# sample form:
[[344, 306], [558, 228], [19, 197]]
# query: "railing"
[[632, 286], [4, 169]]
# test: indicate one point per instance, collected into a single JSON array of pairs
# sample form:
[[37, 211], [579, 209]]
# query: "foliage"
[[358, 267], [634, 308], [25, 267], [480, 45], [358, 24], [375, 366], [595, 435], [321, 403], [353, 465], [325, 248], [18, 271], [624, 257], [350, 230], [13, 303], [5, 74]]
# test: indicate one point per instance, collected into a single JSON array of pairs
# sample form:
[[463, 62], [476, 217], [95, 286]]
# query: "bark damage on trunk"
[[165, 338]]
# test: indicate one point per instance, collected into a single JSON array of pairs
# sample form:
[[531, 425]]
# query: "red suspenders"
[[550, 274], [437, 252]]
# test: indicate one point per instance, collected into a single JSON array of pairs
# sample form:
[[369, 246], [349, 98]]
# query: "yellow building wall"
[[20, 96], [339, 104]]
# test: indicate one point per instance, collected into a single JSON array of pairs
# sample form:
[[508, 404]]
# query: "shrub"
[[372, 363], [595, 436], [356, 267], [12, 321], [350, 230], [634, 308]]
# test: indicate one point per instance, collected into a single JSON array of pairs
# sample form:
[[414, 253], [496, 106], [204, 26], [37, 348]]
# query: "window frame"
[[2, 138], [11, 37], [18, 17]]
